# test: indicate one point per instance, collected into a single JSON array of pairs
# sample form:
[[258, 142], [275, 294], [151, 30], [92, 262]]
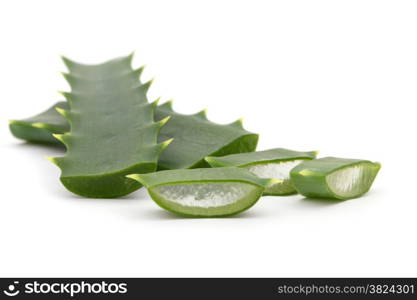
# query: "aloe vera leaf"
[[195, 137], [112, 130], [274, 163], [39, 128], [334, 178], [206, 192]]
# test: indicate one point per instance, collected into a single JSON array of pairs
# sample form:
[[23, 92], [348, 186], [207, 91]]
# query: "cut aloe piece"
[[195, 137], [274, 163], [39, 128], [112, 130], [334, 178], [204, 192]]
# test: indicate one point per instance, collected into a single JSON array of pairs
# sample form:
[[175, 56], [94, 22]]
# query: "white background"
[[335, 76]]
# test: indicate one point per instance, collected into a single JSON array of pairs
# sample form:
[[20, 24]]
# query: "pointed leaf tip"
[[139, 71], [137, 178], [54, 160], [132, 176], [155, 102], [63, 112], [148, 84], [209, 159], [64, 58], [71, 79], [67, 95], [63, 138], [164, 121], [67, 62], [130, 57], [237, 124], [59, 137], [165, 144], [202, 114]]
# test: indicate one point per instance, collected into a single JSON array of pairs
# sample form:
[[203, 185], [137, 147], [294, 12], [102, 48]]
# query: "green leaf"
[[112, 130], [334, 178], [203, 192], [274, 163], [195, 137], [39, 128]]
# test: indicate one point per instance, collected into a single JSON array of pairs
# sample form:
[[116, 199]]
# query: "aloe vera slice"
[[39, 128], [203, 192], [334, 178], [274, 163], [112, 130], [195, 137]]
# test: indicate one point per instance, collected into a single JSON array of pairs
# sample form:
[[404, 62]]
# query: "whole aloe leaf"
[[195, 137], [207, 192], [112, 129]]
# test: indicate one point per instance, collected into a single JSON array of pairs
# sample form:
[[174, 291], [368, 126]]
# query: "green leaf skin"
[[195, 137], [254, 161], [39, 128], [112, 130], [323, 178], [215, 192]]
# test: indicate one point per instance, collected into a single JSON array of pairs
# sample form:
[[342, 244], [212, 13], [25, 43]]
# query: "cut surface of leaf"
[[194, 136], [277, 170], [334, 178], [203, 192], [39, 128], [205, 195], [112, 132], [274, 163]]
